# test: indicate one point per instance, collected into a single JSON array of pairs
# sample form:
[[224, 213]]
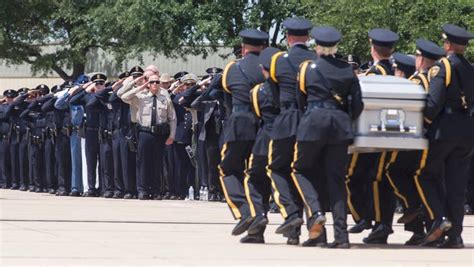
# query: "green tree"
[[410, 19]]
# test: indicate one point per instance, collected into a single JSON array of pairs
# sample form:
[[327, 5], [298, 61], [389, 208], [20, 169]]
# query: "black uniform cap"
[[253, 37], [326, 36], [43, 88], [124, 75], [214, 70], [137, 70], [404, 63], [67, 84], [297, 26], [266, 55], [56, 88], [180, 74], [10, 93], [23, 90], [456, 34], [383, 37], [99, 77], [429, 49]]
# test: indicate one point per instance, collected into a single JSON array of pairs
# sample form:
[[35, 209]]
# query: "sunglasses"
[[154, 82], [99, 83]]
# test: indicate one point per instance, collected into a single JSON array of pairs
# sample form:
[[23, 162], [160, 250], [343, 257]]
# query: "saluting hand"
[[205, 82], [169, 141], [117, 84]]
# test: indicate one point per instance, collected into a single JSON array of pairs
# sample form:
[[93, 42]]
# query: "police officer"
[[449, 113], [264, 102], [324, 133], [92, 124], [6, 133], [283, 72], [369, 192], [238, 78], [156, 127]]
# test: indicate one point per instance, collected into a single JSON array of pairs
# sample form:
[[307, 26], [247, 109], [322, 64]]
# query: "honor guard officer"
[[369, 194], [238, 78], [283, 72], [326, 86], [449, 113], [6, 133], [264, 102], [156, 127], [92, 124]]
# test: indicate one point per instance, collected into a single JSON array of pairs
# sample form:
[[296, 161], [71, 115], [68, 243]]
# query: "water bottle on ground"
[[201, 193], [206, 193], [191, 193]]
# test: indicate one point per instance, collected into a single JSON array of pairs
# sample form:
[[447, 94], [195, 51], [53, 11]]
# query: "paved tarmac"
[[45, 230]]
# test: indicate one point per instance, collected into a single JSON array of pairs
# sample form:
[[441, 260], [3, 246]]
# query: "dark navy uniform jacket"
[[238, 78], [14, 111], [383, 67], [121, 114], [98, 102], [62, 117], [264, 99], [450, 117], [4, 120], [284, 71], [92, 114], [327, 84], [184, 122], [35, 117]]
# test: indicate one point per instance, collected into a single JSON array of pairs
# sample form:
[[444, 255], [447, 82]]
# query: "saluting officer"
[[156, 127], [449, 112], [326, 86], [370, 195], [238, 78], [264, 102], [6, 132], [283, 72]]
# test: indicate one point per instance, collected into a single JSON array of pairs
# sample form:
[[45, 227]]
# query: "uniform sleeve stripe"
[[273, 65], [447, 66], [224, 76], [381, 69], [256, 107], [302, 77]]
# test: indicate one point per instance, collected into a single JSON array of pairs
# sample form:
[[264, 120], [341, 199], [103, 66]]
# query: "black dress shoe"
[[63, 193], [90, 193], [157, 197], [143, 196], [252, 239], [379, 235], [339, 244], [167, 195], [108, 194], [320, 241], [316, 225], [410, 215], [117, 194], [293, 241], [360, 227], [23, 188], [289, 224], [15, 187], [38, 190], [467, 209], [128, 196], [451, 243], [212, 197], [75, 194], [31, 188], [415, 240], [242, 225], [258, 225], [52, 191], [437, 230]]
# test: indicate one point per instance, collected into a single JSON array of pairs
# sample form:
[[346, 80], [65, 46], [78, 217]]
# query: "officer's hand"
[[90, 88], [174, 85], [169, 141], [205, 81], [143, 86], [117, 84], [86, 84], [139, 79], [128, 79]]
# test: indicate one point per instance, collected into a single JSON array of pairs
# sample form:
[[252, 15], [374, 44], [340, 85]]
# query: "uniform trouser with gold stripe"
[[400, 170], [257, 185], [234, 156], [280, 157], [361, 170], [384, 198], [444, 195], [332, 159]]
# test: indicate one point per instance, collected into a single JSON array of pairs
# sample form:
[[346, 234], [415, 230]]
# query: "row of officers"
[[270, 125]]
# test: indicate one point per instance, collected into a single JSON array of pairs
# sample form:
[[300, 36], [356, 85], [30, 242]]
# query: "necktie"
[[153, 112]]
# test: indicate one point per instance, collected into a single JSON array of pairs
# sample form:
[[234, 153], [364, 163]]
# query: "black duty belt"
[[163, 129], [322, 105], [241, 108], [468, 112], [288, 105]]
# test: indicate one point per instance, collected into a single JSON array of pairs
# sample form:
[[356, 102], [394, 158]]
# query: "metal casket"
[[392, 118]]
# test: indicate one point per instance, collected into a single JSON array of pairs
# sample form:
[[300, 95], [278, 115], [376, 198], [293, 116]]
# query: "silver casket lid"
[[383, 95], [393, 88]]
